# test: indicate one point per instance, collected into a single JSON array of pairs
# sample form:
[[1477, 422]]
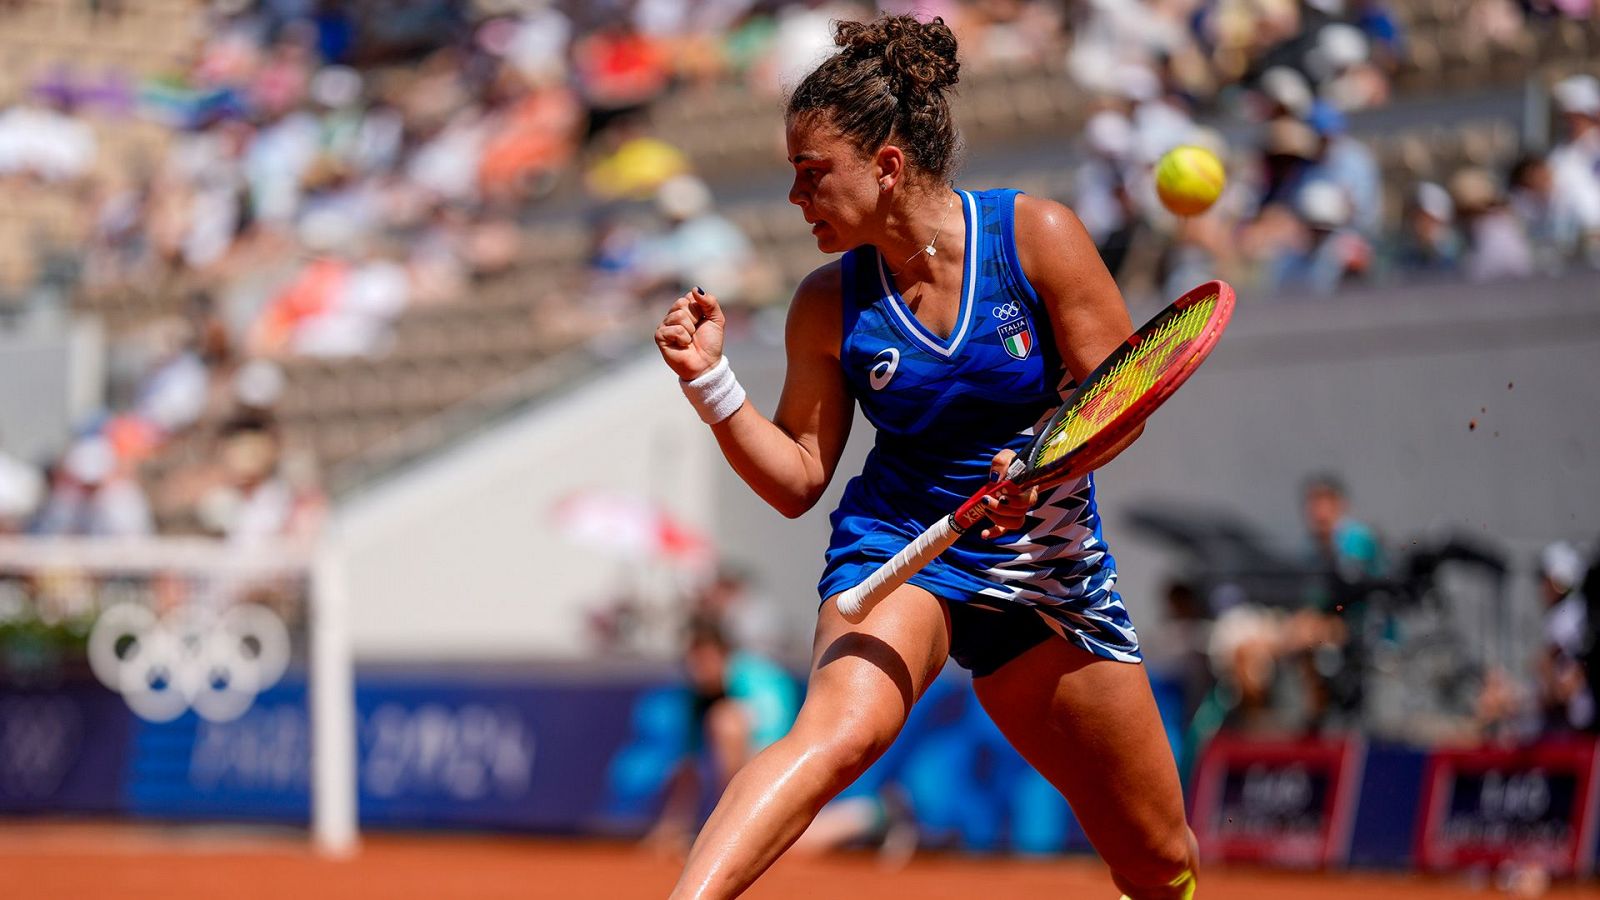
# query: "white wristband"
[[715, 393]]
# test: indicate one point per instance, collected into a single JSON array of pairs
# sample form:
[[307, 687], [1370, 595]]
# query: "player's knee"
[[1164, 868], [853, 746]]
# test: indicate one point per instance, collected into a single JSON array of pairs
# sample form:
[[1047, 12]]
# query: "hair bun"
[[916, 56]]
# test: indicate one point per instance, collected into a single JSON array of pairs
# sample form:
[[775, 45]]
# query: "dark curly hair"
[[888, 81]]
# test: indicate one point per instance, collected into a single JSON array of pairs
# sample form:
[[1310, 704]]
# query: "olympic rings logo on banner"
[[213, 663], [1003, 311]]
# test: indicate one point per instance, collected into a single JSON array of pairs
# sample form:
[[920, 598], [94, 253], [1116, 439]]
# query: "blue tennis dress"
[[942, 409]]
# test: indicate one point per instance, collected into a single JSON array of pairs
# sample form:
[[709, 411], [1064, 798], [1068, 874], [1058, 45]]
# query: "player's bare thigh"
[[888, 659], [1091, 727]]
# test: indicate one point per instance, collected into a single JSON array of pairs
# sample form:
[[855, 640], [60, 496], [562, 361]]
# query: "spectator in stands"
[[1101, 195], [1340, 544], [1575, 163], [739, 703], [1348, 163], [1377, 20], [173, 394], [801, 37], [1589, 587], [1345, 558], [1289, 158], [45, 141], [729, 601], [1182, 648], [21, 490], [1326, 251], [1429, 241], [538, 43], [632, 162], [618, 70], [1283, 92], [532, 136], [1248, 650], [1497, 244], [94, 494], [255, 500], [1564, 694], [1346, 76], [1532, 200], [699, 246]]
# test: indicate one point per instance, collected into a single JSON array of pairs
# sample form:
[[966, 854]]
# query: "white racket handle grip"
[[855, 603]]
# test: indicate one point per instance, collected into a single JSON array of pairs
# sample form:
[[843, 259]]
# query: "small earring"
[[883, 185]]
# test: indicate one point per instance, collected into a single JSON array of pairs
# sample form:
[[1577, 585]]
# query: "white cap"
[[336, 87], [683, 197], [1561, 563], [1287, 88], [1578, 95], [90, 461], [1323, 204], [259, 383], [1434, 200], [329, 231], [1109, 133], [21, 488], [1339, 46], [1138, 82]]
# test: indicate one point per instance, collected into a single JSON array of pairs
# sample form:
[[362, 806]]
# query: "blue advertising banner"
[[508, 755], [1386, 812], [255, 767], [63, 749], [433, 752]]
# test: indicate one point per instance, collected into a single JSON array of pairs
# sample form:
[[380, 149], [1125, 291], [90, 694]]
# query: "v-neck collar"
[[908, 322]]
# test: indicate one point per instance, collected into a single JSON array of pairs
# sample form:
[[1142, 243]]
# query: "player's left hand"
[[1006, 510]]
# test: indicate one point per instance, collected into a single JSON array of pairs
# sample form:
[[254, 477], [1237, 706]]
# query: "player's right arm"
[[789, 459]]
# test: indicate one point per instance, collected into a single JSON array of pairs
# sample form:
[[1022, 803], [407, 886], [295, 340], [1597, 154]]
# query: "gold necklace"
[[929, 250]]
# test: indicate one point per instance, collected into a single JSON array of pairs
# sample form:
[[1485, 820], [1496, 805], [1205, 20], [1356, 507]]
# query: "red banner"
[[1531, 804], [1289, 803]]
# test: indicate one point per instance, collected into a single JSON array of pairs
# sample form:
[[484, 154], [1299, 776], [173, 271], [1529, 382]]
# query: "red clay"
[[130, 862]]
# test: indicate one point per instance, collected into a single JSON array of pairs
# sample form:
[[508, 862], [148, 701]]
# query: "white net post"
[[333, 708], [187, 624]]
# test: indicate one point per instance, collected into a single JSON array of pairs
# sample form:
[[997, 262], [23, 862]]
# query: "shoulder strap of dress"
[[850, 296], [1006, 212]]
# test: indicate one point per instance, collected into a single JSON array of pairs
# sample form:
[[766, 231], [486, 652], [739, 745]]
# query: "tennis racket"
[[1118, 395]]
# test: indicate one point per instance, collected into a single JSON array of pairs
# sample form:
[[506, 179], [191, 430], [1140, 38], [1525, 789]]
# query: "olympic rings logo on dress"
[[192, 658], [1004, 311]]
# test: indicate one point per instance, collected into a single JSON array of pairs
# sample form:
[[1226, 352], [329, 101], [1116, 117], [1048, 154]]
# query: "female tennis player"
[[955, 318]]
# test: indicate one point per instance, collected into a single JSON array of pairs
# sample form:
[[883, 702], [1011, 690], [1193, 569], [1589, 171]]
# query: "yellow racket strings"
[[1127, 381]]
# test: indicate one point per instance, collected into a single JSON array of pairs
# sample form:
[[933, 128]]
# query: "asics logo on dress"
[[883, 366], [1003, 311]]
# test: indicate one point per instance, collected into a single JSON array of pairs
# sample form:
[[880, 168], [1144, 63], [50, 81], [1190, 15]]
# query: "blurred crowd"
[[1358, 634], [329, 164], [1305, 211]]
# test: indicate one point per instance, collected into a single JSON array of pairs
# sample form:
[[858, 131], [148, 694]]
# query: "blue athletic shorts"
[[988, 631]]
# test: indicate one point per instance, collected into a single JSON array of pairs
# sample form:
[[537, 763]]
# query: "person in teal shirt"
[[1346, 558], [738, 702]]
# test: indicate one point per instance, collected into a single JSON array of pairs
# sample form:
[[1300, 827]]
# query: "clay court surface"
[[127, 862]]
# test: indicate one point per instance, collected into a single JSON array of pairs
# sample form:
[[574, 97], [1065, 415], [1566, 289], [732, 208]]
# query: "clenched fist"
[[690, 337]]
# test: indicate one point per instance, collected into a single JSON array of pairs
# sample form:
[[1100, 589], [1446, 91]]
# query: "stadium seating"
[[442, 354]]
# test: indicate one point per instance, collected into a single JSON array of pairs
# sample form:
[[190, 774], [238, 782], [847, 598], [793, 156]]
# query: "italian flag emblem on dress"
[[1017, 338]]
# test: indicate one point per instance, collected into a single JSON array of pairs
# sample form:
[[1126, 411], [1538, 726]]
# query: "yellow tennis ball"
[[1189, 180]]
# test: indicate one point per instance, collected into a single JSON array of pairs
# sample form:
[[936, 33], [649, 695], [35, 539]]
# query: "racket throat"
[[974, 511]]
